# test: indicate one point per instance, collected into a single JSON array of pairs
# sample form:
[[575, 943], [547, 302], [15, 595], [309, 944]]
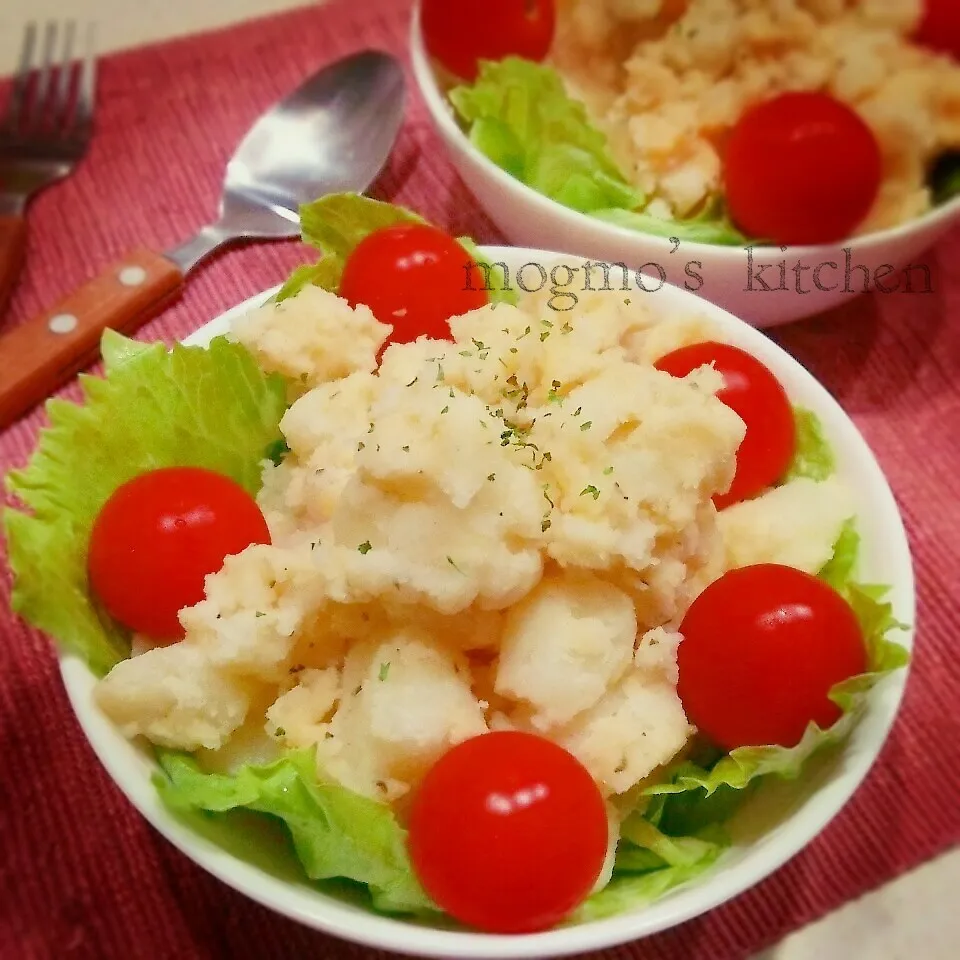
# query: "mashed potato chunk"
[[299, 716], [313, 337], [176, 697], [564, 644], [405, 701], [638, 725]]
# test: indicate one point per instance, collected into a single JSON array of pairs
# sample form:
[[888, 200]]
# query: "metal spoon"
[[334, 133]]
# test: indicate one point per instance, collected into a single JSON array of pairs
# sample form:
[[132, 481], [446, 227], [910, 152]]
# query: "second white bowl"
[[757, 284]]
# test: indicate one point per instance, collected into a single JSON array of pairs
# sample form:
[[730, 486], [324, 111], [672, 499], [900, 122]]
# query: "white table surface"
[[914, 918]]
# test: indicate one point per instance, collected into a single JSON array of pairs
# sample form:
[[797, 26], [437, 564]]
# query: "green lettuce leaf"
[[717, 230], [335, 224], [519, 115], [336, 833], [496, 279], [814, 457], [324, 274], [840, 568], [649, 864], [154, 407]]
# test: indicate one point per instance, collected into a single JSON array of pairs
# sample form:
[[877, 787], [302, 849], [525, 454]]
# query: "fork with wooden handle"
[[44, 133]]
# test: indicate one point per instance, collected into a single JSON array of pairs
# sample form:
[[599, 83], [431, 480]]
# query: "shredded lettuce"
[[519, 115], [337, 834], [839, 569], [649, 864], [337, 223], [813, 458], [154, 408]]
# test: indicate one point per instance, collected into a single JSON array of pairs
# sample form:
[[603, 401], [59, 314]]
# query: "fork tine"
[[87, 91], [61, 96], [21, 80], [45, 77]]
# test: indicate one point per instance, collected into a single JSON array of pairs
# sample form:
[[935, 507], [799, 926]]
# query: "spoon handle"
[[13, 242], [42, 354]]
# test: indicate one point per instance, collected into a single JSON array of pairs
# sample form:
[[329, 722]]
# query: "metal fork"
[[45, 131]]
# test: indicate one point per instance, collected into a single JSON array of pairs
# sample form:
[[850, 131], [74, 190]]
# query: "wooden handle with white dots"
[[42, 354]]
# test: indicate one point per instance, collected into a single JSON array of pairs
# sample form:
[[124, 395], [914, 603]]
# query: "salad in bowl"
[[680, 134], [509, 614]]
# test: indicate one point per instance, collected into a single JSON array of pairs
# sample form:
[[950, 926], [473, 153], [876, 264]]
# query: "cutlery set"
[[333, 133]]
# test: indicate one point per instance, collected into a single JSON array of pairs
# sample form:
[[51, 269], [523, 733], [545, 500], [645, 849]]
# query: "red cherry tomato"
[[801, 168], [940, 27], [159, 535], [762, 648], [458, 36], [414, 277], [756, 396], [508, 832]]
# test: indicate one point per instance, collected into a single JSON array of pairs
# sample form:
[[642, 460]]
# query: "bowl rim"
[[130, 768], [442, 114]]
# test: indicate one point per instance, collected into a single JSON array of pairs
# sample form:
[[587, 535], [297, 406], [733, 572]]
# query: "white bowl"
[[727, 275], [772, 827]]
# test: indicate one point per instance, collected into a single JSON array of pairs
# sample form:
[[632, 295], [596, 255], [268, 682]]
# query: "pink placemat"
[[81, 874]]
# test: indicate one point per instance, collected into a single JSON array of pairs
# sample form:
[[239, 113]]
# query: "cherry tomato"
[[940, 27], [762, 648], [756, 396], [458, 36], [801, 168], [159, 535], [414, 277], [508, 832]]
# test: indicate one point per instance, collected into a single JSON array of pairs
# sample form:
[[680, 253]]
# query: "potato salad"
[[800, 122], [501, 531], [462, 608]]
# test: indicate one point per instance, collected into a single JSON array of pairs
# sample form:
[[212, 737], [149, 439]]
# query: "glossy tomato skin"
[[414, 277], [801, 169], [459, 35], [762, 648], [757, 397], [940, 27], [157, 538], [508, 832]]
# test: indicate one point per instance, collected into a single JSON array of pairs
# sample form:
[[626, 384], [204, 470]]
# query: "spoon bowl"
[[332, 134]]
